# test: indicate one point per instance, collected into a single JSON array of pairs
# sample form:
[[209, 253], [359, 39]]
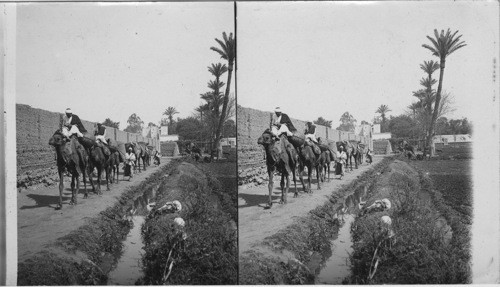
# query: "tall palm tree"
[[227, 51], [383, 110], [414, 108], [217, 70], [443, 45], [170, 112], [202, 109], [428, 96], [429, 67]]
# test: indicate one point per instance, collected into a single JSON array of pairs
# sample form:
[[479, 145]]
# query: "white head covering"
[[68, 111], [179, 221], [386, 220], [277, 110], [387, 203], [177, 205]]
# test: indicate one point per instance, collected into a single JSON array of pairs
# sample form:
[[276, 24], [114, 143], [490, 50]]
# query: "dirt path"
[[39, 224], [257, 223]]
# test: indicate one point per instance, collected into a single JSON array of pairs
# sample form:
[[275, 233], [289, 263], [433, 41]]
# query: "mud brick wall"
[[251, 123], [35, 127]]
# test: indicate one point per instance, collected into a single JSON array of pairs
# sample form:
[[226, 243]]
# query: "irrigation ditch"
[[132, 243], [426, 246]]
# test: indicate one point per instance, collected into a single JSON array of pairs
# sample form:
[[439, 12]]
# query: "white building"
[[169, 138], [446, 139], [229, 142], [363, 130], [165, 137], [163, 130], [151, 132], [381, 136]]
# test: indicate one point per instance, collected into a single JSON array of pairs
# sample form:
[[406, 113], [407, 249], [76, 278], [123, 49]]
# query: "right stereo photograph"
[[367, 137]]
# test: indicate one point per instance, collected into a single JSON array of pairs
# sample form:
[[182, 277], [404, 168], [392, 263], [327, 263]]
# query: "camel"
[[307, 158], [98, 160], [114, 166], [145, 156], [73, 157], [280, 156]]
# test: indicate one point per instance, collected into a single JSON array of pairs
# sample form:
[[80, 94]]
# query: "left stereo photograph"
[[125, 143]]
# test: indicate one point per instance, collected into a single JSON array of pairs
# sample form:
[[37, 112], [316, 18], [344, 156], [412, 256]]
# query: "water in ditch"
[[128, 268], [337, 266]]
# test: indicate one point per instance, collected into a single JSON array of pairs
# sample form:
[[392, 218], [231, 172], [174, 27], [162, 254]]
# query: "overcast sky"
[[112, 60], [325, 58]]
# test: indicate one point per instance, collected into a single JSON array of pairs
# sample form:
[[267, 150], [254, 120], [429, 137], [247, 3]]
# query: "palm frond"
[[434, 51], [453, 49]]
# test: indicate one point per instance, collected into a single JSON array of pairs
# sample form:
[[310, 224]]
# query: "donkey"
[[71, 155], [307, 158], [280, 156]]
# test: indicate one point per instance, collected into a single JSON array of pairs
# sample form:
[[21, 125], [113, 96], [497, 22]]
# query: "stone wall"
[[34, 128], [251, 123]]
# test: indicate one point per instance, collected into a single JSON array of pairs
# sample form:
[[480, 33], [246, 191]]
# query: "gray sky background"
[[325, 58], [111, 60]]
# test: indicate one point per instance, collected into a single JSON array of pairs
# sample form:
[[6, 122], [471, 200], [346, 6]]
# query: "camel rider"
[[282, 124], [100, 139], [310, 136], [310, 132], [72, 125]]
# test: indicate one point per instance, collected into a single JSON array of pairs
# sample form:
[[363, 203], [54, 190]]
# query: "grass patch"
[[47, 268]]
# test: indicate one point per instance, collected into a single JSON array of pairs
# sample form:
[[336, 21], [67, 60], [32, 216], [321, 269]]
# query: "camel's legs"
[[270, 187], [61, 187], [72, 189]]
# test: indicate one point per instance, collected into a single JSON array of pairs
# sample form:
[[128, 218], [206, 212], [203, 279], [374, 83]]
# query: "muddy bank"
[[88, 254], [428, 245], [297, 253]]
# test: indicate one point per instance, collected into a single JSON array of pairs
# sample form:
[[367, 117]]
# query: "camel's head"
[[266, 138], [57, 139]]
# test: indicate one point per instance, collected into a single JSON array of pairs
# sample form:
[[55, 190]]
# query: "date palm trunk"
[[436, 107], [224, 108]]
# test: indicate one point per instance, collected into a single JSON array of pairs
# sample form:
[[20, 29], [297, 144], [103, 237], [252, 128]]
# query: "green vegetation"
[[208, 254], [421, 252]]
